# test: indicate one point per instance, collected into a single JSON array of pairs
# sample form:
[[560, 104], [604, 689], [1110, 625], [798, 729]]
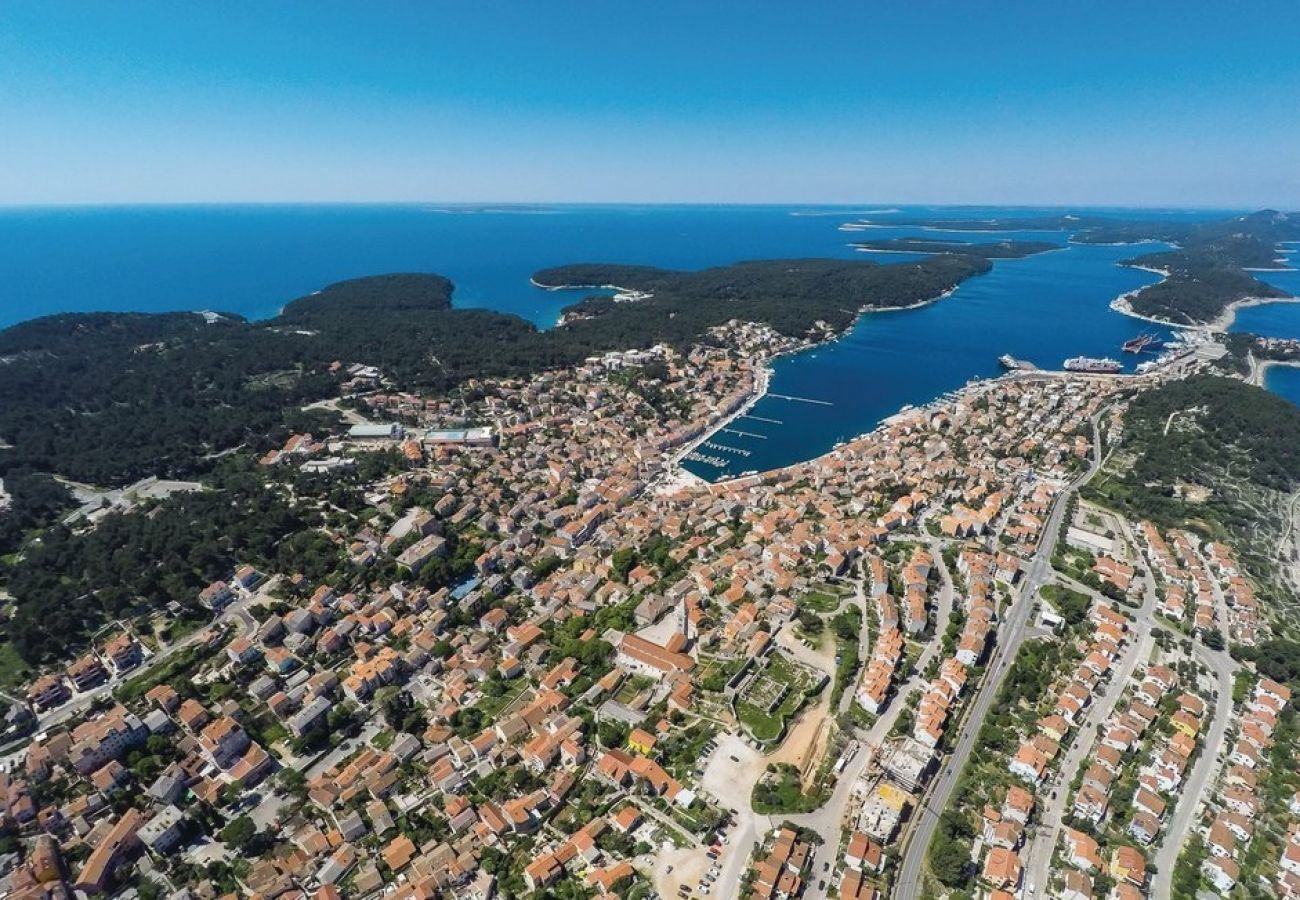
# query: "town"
[[539, 659]]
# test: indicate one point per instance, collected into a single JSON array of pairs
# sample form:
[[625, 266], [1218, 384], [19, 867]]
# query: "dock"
[[723, 448], [748, 434], [716, 461], [762, 419], [801, 399]]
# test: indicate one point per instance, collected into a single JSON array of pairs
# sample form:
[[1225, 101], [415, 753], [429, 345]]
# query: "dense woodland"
[[1207, 271], [35, 500], [1223, 432], [108, 398], [1198, 296], [142, 560], [791, 295]]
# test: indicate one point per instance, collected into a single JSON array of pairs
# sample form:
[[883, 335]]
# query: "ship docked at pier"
[[1143, 343], [1094, 365]]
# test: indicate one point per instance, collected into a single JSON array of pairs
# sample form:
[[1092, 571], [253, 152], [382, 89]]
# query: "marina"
[[723, 448]]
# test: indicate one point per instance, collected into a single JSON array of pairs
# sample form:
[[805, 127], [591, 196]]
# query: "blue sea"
[[251, 260]]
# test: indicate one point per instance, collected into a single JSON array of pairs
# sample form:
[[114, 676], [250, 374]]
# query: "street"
[[1010, 634]]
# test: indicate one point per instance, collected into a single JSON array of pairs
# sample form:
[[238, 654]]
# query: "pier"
[[716, 461], [723, 448], [763, 419], [802, 399], [748, 434]]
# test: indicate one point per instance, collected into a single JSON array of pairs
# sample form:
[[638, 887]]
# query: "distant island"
[[108, 398], [1205, 275], [992, 250]]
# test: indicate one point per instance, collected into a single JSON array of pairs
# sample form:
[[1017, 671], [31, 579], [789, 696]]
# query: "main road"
[[1011, 633], [1039, 853], [1192, 794]]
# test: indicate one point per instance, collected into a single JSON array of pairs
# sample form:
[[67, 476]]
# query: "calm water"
[[1044, 309], [1281, 320], [251, 260]]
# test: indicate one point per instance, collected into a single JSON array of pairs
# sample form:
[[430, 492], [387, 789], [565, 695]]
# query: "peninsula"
[[1207, 271]]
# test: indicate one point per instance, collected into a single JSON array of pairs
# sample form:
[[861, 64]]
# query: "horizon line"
[[534, 204]]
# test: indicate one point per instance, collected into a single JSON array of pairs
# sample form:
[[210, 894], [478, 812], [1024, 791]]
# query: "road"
[[1038, 859], [1010, 634], [859, 599], [827, 820], [80, 702], [1190, 798], [1288, 546]]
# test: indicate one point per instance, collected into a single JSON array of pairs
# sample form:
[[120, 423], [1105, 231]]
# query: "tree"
[[239, 834], [622, 562], [950, 853], [810, 622], [611, 733]]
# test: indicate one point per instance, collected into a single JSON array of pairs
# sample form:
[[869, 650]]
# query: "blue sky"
[[1150, 103]]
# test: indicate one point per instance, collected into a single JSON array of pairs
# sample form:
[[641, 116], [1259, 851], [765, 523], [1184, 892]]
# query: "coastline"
[[1229, 315], [1260, 369], [674, 469], [1123, 304], [578, 287], [1220, 323], [971, 389]]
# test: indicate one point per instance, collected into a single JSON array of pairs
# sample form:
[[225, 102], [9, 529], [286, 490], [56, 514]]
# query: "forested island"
[[108, 398], [1208, 269], [991, 250]]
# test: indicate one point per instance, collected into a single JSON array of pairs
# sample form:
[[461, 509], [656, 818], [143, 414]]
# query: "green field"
[[752, 706]]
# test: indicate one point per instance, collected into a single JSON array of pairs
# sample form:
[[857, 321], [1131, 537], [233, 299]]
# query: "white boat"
[[1103, 365]]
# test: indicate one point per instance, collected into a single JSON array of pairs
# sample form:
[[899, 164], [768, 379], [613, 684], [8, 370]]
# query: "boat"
[[1011, 364], [1143, 343], [1103, 365]]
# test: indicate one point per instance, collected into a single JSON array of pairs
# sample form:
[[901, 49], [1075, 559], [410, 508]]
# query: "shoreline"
[[1259, 374], [1229, 315], [578, 287], [1123, 304], [675, 469], [907, 412]]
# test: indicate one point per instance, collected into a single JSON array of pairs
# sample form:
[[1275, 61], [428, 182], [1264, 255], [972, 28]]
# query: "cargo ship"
[[1104, 366], [1143, 343]]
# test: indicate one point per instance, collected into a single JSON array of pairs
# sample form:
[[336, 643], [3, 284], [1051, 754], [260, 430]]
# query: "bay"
[[250, 260]]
